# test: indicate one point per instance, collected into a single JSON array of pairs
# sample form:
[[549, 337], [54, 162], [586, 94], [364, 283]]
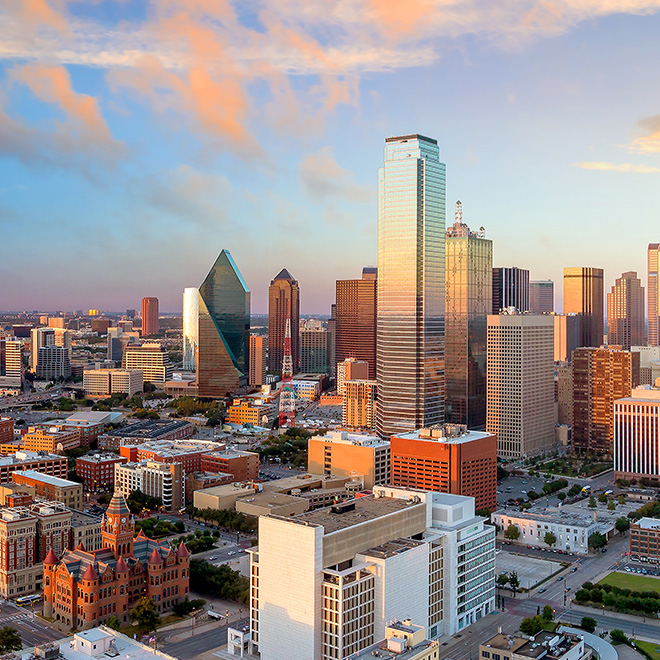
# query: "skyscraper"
[[411, 272], [39, 337], [654, 293], [468, 296], [314, 351], [583, 294], [541, 297], [356, 319], [510, 289], [223, 352], [190, 327], [283, 297], [258, 346], [149, 316], [625, 312]]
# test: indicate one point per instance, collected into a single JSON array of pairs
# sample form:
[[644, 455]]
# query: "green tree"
[[611, 506], [10, 640], [597, 540], [514, 582], [622, 499], [512, 533], [562, 496], [602, 498], [588, 624], [618, 636], [592, 502], [502, 579], [574, 490], [622, 525], [145, 614], [549, 539], [548, 614], [113, 622], [531, 625]]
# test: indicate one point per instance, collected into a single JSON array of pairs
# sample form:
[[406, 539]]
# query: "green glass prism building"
[[223, 352], [411, 286]]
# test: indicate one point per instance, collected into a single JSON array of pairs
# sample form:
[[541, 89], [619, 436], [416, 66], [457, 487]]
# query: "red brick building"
[[83, 589], [185, 451], [29, 460], [98, 470], [447, 459], [6, 430], [244, 465]]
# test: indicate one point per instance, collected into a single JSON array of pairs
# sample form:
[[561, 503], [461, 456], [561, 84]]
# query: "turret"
[[50, 567]]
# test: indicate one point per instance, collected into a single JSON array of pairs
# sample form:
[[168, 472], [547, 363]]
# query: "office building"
[[258, 360], [283, 301], [468, 300], [350, 369], [541, 296], [50, 439], [510, 289], [53, 363], [600, 377], [338, 453], [6, 430], [625, 312], [314, 354], [152, 360], [637, 435], [355, 319], [188, 453], [545, 644], [55, 322], [130, 313], [166, 481], [146, 431], [84, 588], [653, 263], [247, 411], [100, 326], [223, 351], [358, 411], [583, 294], [30, 460], [332, 330], [100, 383], [97, 471], [244, 465], [11, 363], [118, 339], [410, 363], [51, 488], [350, 568], [447, 459], [649, 362], [149, 317], [520, 397], [190, 328], [39, 337], [567, 335], [645, 540], [564, 392]]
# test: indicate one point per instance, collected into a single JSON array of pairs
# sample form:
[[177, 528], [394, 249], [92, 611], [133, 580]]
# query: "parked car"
[[560, 578]]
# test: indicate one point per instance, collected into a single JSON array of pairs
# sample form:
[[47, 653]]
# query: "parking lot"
[[530, 570], [513, 488]]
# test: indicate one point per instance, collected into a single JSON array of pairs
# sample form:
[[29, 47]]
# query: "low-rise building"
[[97, 470], [150, 358], [166, 481], [645, 540], [179, 388], [146, 431], [101, 383], [50, 439], [246, 411], [187, 452], [51, 488], [544, 645], [6, 430], [243, 465], [308, 386], [403, 641], [29, 460], [86, 529], [200, 480]]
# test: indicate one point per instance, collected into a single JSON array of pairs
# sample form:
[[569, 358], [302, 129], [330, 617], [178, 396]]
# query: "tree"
[[597, 540], [592, 502], [602, 498], [514, 582], [588, 624], [10, 640], [622, 525], [512, 533], [622, 499], [549, 539], [531, 625], [502, 579], [574, 490], [611, 506], [113, 622], [618, 636], [145, 614], [548, 614], [562, 496]]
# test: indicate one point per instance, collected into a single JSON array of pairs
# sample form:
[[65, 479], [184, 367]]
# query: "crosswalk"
[[14, 617]]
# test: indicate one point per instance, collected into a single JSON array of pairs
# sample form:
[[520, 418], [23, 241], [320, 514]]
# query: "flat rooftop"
[[446, 433], [47, 479], [357, 439], [575, 519], [380, 650], [148, 429], [390, 549], [648, 523], [25, 456], [546, 644]]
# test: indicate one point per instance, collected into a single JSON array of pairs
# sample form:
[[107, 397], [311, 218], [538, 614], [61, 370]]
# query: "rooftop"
[[94, 417], [148, 429], [46, 479], [576, 519], [101, 457], [357, 439], [26, 456], [392, 548], [544, 644], [648, 523], [446, 433]]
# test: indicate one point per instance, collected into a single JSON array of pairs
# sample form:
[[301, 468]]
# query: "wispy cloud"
[[649, 142], [618, 167]]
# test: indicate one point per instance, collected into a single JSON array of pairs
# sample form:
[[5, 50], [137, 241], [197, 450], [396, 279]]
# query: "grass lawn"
[[650, 648], [634, 582]]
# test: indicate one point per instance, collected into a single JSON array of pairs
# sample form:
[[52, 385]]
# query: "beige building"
[[520, 401], [567, 336], [350, 369], [152, 359], [164, 480], [583, 294], [403, 641], [50, 440], [625, 312], [100, 383], [258, 360], [350, 455], [359, 405], [564, 393], [51, 488]]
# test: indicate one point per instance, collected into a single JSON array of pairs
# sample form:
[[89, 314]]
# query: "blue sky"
[[138, 140]]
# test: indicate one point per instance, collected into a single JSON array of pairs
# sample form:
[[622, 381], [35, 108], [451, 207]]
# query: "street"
[[33, 630], [199, 643]]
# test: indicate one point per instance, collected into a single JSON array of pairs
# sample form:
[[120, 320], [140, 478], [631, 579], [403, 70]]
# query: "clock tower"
[[118, 527]]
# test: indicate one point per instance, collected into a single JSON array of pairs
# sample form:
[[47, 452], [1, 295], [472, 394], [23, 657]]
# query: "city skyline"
[[102, 167]]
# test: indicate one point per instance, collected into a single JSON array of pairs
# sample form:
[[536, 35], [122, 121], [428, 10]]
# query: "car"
[[574, 569], [212, 557], [567, 589], [560, 578], [604, 550], [529, 547], [497, 552], [627, 569], [542, 590]]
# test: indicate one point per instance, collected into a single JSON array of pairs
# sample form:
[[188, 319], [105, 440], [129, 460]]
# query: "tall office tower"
[[510, 289], [63, 338], [53, 362], [258, 361], [541, 296], [410, 361], [564, 393], [190, 327], [625, 312], [520, 400], [283, 295], [654, 293], [223, 352], [583, 294], [39, 337], [356, 319], [637, 435], [314, 351], [359, 405], [567, 335], [649, 359], [118, 340], [152, 359], [149, 316], [332, 330], [600, 377], [11, 363], [468, 299], [350, 369]]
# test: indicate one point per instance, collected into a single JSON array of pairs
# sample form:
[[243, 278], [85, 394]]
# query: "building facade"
[[567, 335], [53, 363], [645, 540], [97, 471], [541, 296], [258, 360], [190, 328], [410, 365], [283, 302], [350, 369], [625, 312], [152, 359], [146, 431], [358, 410], [583, 294], [149, 316], [100, 383], [166, 481], [51, 488], [510, 289], [244, 465], [314, 351], [653, 265], [40, 461]]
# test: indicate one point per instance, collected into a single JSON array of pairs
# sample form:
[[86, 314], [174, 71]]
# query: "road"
[[33, 630], [199, 643]]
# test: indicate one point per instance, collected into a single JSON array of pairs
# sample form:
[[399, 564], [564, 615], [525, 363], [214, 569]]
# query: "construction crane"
[[287, 395]]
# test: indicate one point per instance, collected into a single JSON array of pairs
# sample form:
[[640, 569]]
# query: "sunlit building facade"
[[583, 294], [223, 352], [654, 293], [411, 272], [190, 327], [541, 296], [625, 312], [258, 360], [283, 299], [510, 289], [149, 316], [468, 295]]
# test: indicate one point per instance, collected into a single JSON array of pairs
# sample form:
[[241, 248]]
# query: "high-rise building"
[[332, 330], [258, 360], [223, 352], [600, 377], [541, 296], [350, 369], [101, 383], [166, 481], [637, 435], [359, 405], [356, 319], [649, 362], [152, 359], [468, 300], [130, 313], [190, 327], [39, 337], [447, 459], [53, 362], [653, 256], [314, 351], [564, 392], [118, 340], [625, 312], [283, 300], [520, 401], [11, 363], [149, 316], [567, 335], [510, 289], [583, 294], [410, 364]]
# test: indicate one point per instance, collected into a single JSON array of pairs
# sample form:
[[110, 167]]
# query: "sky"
[[138, 139]]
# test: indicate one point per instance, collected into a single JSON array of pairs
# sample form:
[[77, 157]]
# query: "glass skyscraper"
[[190, 327], [224, 330], [411, 286]]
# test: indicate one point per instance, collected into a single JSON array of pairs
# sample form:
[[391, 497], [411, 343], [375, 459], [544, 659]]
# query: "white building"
[[648, 355], [152, 359], [104, 382], [331, 579], [164, 480], [190, 328]]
